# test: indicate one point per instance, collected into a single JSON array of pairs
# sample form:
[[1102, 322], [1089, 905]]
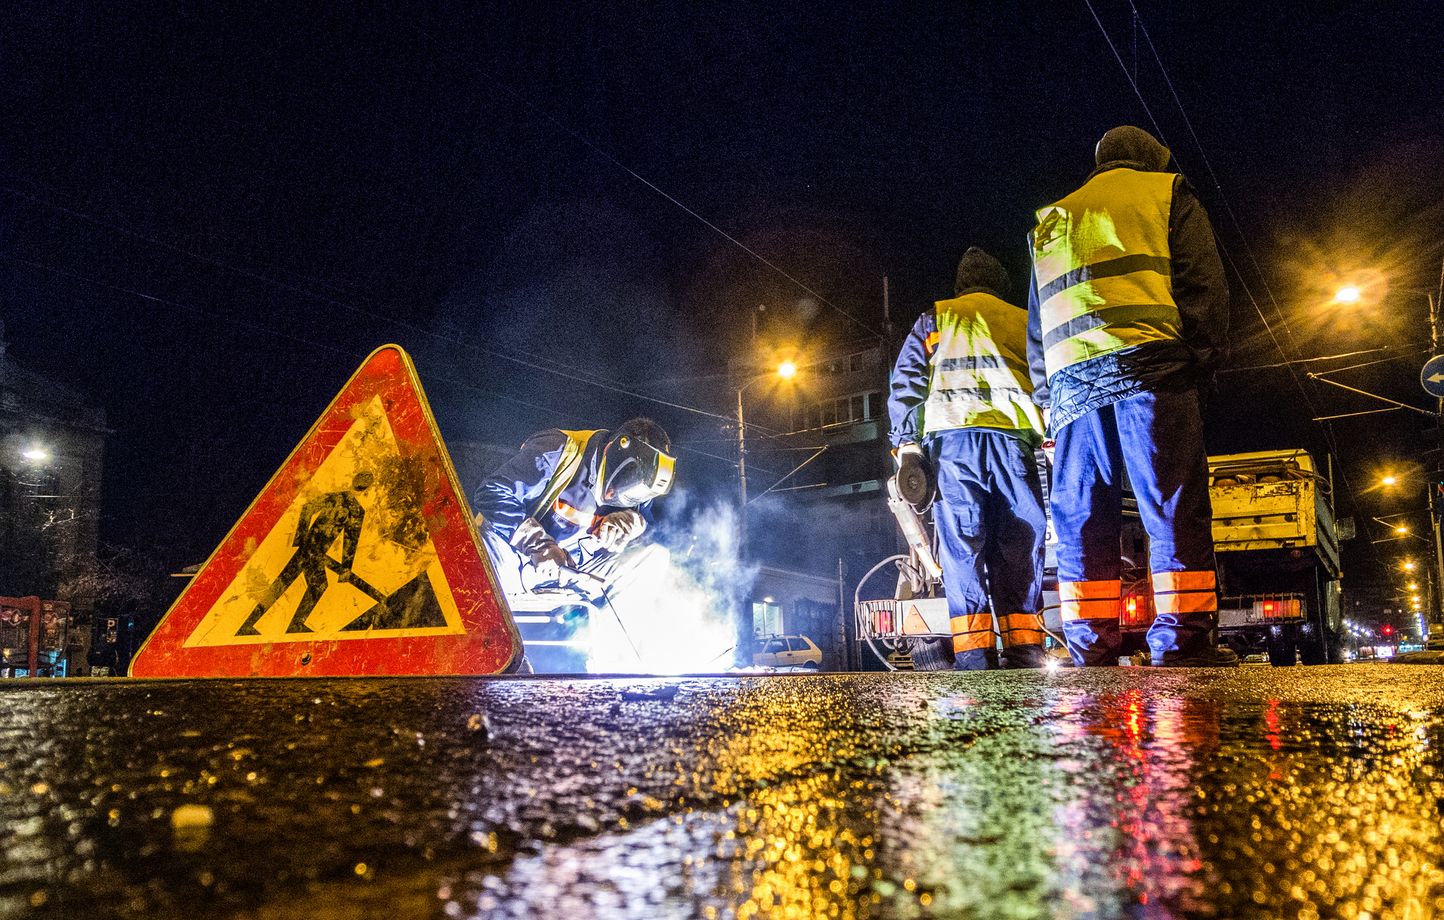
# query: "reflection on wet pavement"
[[1269, 793]]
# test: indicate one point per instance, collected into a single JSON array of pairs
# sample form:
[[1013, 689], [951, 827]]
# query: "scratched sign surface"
[[358, 558]]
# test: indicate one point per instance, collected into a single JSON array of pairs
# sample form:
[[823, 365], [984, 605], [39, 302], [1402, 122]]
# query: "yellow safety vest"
[[980, 368], [562, 476], [1103, 268]]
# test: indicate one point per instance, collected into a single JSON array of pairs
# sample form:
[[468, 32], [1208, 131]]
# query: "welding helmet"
[[636, 464]]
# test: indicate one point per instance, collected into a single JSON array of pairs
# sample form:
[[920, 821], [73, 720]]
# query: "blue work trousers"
[[1155, 441], [991, 526]]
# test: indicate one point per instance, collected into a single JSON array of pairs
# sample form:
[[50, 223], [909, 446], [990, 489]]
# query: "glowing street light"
[[1402, 529], [1389, 480], [786, 370], [1409, 565], [35, 454], [1349, 293]]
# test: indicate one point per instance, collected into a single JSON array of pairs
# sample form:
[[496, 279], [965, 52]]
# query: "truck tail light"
[[1278, 608], [1135, 610]]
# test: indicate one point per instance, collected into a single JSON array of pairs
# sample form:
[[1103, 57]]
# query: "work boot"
[[1023, 656], [1093, 643], [1210, 657]]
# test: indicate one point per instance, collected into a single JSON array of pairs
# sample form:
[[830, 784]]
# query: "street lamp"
[[35, 454], [1348, 294], [786, 370], [1436, 538]]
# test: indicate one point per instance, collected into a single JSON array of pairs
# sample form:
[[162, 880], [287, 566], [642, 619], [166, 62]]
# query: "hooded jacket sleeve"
[[506, 498], [911, 376], [1037, 370], [1200, 287]]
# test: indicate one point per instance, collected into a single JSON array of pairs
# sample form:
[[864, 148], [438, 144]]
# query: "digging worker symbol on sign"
[[322, 520]]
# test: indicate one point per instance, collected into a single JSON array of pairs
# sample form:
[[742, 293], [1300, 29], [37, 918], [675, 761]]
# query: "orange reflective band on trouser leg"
[[1022, 629], [1185, 592], [1089, 600], [971, 631]]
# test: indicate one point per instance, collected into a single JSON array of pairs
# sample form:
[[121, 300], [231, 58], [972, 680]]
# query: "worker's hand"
[[914, 477], [619, 528], [548, 558]]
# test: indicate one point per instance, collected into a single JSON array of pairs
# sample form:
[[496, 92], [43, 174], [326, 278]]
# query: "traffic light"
[[1387, 630]]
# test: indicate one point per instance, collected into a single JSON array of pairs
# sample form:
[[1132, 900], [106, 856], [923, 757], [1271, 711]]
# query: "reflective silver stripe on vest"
[[1148, 314], [1122, 265]]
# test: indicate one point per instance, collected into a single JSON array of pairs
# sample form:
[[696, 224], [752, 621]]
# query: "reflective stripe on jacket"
[[979, 368], [1102, 266], [566, 470]]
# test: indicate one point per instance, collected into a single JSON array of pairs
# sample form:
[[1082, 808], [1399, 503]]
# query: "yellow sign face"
[[351, 557]]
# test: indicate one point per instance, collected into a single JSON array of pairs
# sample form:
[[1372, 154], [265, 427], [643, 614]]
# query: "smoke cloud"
[[675, 612]]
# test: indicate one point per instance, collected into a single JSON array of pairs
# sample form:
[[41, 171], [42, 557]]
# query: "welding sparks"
[[674, 612]]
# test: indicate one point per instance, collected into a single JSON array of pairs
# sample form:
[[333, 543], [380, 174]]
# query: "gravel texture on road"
[[1289, 792]]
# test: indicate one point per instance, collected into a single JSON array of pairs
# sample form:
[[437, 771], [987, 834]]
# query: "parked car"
[[786, 652]]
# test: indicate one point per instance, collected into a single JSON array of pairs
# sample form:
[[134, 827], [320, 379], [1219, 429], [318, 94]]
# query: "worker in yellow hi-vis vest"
[[961, 403], [566, 488], [1127, 318]]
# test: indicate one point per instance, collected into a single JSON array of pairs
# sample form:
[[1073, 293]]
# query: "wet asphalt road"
[[1301, 792]]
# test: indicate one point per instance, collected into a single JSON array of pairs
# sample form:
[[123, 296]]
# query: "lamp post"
[[785, 370], [1435, 578], [1353, 294]]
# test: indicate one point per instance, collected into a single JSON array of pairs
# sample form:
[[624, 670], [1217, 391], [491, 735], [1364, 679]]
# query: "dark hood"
[[1134, 147], [978, 270]]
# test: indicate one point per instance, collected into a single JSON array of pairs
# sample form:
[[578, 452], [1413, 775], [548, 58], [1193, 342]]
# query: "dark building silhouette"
[[833, 510], [52, 446]]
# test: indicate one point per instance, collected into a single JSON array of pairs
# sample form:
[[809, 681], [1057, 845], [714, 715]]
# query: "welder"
[[961, 407], [1127, 317], [572, 501]]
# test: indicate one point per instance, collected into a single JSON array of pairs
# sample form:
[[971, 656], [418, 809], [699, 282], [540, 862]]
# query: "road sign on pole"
[[358, 558], [1432, 377]]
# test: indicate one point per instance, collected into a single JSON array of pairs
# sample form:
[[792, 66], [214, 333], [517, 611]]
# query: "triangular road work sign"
[[358, 558]]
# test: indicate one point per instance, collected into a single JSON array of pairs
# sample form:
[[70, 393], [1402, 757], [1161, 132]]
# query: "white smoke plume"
[[677, 608]]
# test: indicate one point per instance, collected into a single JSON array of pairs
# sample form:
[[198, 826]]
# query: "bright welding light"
[[666, 619], [1052, 665]]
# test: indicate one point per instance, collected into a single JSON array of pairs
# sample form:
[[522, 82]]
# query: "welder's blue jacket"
[[1132, 297], [964, 365], [555, 478]]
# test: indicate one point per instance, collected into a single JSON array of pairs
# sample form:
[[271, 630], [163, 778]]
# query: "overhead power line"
[[301, 340], [531, 362], [606, 155], [1289, 361]]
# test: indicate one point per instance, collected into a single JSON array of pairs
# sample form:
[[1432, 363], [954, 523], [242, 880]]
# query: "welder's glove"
[[545, 554], [619, 528], [914, 477]]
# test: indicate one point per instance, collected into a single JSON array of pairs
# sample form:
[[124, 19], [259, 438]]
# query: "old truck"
[[1277, 543]]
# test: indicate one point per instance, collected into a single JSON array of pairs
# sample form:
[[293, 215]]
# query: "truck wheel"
[[931, 654], [1314, 650], [1281, 646]]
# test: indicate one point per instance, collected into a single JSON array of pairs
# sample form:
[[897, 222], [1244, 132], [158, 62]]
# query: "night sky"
[[211, 216]]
